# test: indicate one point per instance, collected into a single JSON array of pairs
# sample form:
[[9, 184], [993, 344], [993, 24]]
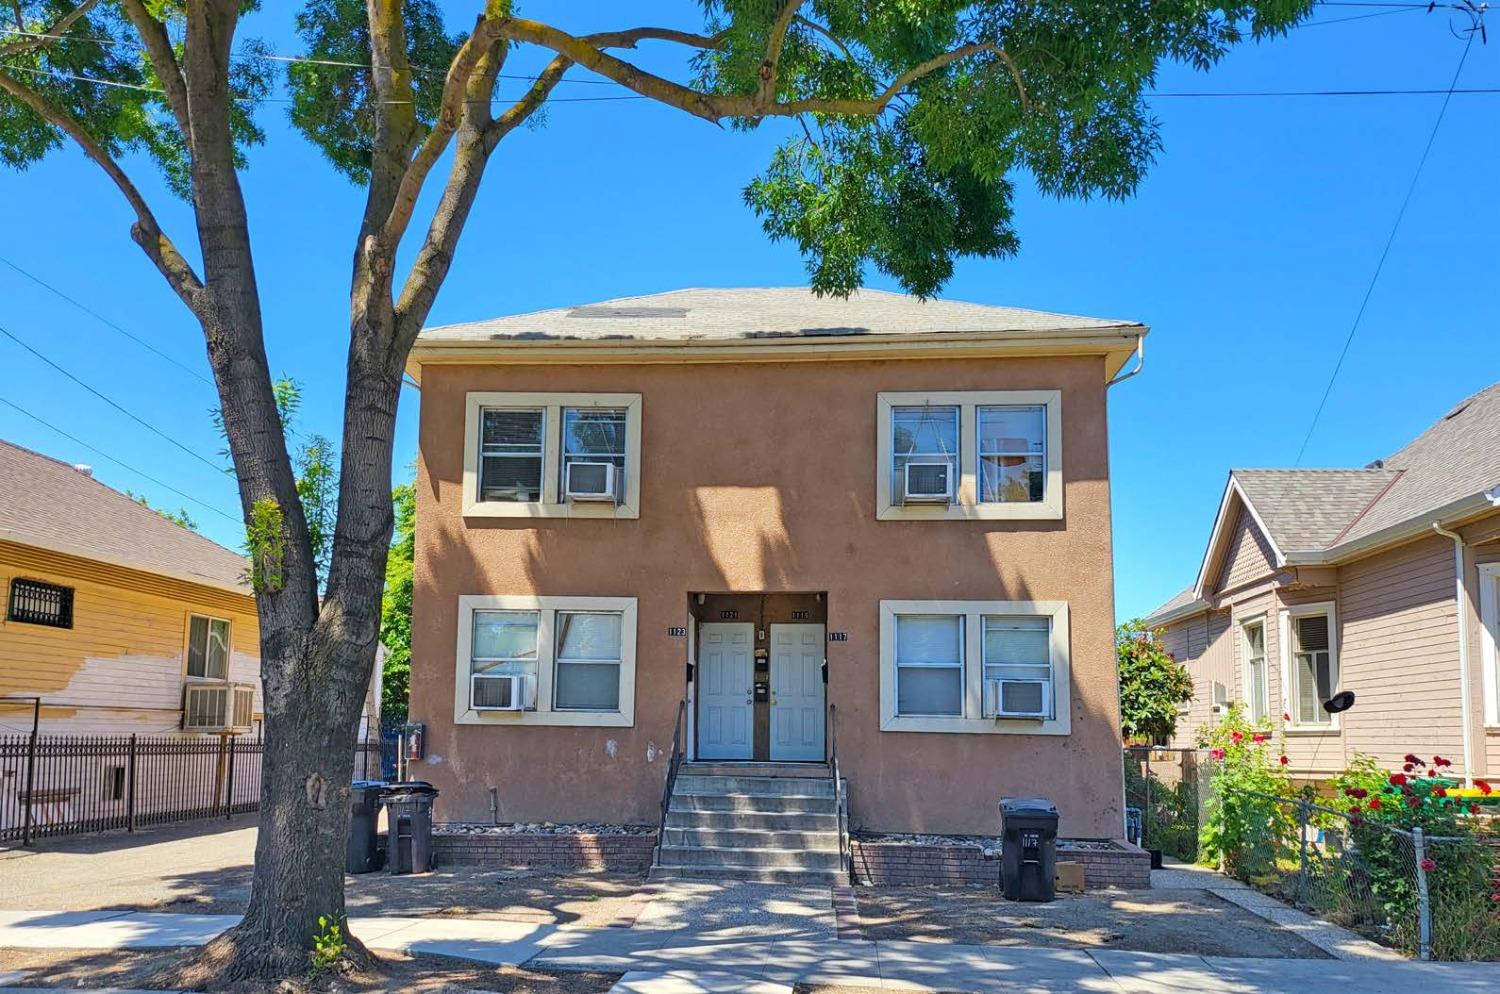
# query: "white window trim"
[[1288, 689], [547, 608], [187, 647], [966, 505], [1265, 673], [552, 505], [1489, 636], [972, 720]]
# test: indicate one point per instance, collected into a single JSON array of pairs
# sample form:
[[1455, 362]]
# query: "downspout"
[[1461, 586], [1140, 363]]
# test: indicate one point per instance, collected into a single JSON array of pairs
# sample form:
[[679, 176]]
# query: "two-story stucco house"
[[877, 525], [1384, 581]]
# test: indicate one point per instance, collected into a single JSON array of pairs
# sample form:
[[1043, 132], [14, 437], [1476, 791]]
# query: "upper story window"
[[546, 660], [974, 666], [1012, 454], [208, 648], [33, 602], [975, 455], [511, 454], [552, 455]]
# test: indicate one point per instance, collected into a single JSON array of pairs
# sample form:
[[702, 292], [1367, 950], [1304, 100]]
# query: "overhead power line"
[[112, 403], [123, 465], [1385, 252], [107, 322]]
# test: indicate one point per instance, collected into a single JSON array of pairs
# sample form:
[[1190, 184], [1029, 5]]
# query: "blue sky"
[[1247, 250]]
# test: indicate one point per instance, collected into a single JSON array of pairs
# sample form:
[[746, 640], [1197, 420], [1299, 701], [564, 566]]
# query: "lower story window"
[[1017, 666], [996, 667], [1313, 668], [549, 660], [588, 661], [503, 659], [929, 664]]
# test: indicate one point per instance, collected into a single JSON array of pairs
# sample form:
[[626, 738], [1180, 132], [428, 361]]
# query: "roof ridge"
[[42, 455], [1366, 509]]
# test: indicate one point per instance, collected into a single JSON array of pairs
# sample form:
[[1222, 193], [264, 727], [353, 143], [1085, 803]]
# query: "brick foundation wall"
[[895, 864], [615, 853]]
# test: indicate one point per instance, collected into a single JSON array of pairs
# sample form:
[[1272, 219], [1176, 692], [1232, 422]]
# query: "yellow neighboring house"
[[119, 620]]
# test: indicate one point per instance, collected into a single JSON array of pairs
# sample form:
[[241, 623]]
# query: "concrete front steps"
[[763, 822]]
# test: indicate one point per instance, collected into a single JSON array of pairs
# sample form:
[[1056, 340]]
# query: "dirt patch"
[[542, 897], [416, 972], [1161, 921]]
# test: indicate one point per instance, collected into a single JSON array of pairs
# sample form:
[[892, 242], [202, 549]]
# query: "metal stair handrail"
[[674, 763], [840, 798]]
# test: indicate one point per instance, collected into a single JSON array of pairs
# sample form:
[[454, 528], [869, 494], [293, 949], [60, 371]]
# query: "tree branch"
[[716, 107], [146, 231], [770, 66], [163, 58], [452, 109], [33, 40]]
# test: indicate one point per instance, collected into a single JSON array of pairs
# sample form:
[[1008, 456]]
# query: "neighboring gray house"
[[1384, 581]]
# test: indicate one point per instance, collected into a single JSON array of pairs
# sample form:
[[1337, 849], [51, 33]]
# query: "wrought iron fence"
[[73, 784]]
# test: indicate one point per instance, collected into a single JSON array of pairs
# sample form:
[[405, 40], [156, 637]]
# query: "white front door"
[[797, 692], [726, 689]]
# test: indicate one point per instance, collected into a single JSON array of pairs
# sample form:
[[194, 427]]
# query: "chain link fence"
[[1433, 897]]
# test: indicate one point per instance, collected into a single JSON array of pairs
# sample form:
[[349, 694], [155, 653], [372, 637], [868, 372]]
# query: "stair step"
[[754, 803], [759, 821], [801, 786], [751, 874], [730, 768], [745, 838], [790, 859]]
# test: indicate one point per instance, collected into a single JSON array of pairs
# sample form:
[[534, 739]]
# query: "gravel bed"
[[542, 828], [984, 843]]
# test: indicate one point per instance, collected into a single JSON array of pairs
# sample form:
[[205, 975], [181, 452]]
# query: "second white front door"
[[797, 692], [726, 690]]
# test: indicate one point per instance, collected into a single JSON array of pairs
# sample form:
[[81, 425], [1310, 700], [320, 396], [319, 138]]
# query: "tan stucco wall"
[[761, 477]]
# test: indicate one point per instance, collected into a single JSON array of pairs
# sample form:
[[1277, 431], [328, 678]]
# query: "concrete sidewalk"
[[683, 961]]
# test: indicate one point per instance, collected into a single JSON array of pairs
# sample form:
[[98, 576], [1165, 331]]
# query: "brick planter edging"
[[899, 864], [615, 853]]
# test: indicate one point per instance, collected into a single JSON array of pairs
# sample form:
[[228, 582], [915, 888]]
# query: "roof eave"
[[1116, 343], [1192, 608], [67, 549]]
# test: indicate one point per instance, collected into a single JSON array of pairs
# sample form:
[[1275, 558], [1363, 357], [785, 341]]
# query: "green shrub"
[[1245, 831], [1170, 818]]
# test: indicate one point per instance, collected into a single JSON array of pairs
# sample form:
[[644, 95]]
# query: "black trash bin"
[[1028, 848], [364, 812], [408, 816]]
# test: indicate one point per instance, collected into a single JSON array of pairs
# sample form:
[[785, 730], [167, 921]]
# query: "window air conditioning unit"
[[592, 481], [1017, 698], [1221, 698], [927, 483], [218, 707], [500, 693]]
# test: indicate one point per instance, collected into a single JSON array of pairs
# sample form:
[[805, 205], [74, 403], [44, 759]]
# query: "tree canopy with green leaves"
[[904, 127], [1153, 684]]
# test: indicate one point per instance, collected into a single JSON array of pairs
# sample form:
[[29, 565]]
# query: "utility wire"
[[136, 418], [106, 321], [124, 465], [1385, 253], [1473, 91]]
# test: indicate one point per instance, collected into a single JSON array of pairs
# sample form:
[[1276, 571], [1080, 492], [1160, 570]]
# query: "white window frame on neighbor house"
[[966, 505], [1489, 639], [1246, 681], [971, 720], [552, 504], [547, 609], [1289, 677], [187, 646]]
